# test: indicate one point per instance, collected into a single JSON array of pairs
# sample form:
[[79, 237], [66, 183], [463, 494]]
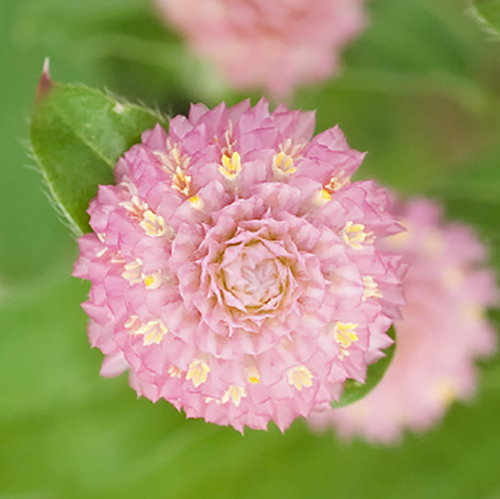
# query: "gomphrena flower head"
[[233, 266], [269, 45], [442, 332]]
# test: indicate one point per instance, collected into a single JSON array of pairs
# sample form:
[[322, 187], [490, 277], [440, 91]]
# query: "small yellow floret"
[[153, 224], [178, 157], [322, 197], [231, 166], [153, 332], [198, 372], [174, 371], [133, 323], [133, 272], [196, 202], [336, 183], [134, 275], [283, 164], [181, 182], [253, 375], [354, 234], [235, 394], [149, 280], [446, 391], [371, 288], [300, 377], [173, 160], [344, 334]]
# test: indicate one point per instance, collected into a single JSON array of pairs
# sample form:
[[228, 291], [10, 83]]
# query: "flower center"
[[255, 278]]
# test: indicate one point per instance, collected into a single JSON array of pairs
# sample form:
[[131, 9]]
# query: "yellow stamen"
[[354, 234], [196, 202], [133, 272], [344, 334], [174, 371], [134, 275], [371, 288], [343, 352], [446, 391], [133, 323], [283, 164], [336, 183], [231, 166], [173, 160], [300, 377], [198, 372], [135, 206], [179, 159], [208, 400], [164, 160], [322, 197], [149, 281], [235, 394], [152, 332], [181, 182], [153, 224], [253, 375]]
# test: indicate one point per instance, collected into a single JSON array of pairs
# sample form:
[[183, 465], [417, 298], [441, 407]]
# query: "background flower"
[[442, 333], [234, 266], [270, 45]]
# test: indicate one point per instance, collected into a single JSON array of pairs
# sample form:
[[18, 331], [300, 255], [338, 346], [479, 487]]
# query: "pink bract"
[[269, 45], [442, 332], [233, 266]]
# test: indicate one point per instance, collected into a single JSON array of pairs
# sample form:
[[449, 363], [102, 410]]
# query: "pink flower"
[[233, 266], [271, 45], [442, 333]]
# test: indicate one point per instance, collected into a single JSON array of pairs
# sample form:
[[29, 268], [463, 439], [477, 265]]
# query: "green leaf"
[[77, 135], [354, 390], [487, 12]]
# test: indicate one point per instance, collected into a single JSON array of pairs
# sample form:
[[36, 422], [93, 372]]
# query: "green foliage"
[[77, 135], [488, 13], [354, 390]]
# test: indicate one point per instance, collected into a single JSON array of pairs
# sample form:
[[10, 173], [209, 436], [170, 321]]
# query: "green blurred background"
[[420, 91]]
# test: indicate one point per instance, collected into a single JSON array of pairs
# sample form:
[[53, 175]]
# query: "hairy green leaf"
[[77, 135], [487, 13], [354, 390]]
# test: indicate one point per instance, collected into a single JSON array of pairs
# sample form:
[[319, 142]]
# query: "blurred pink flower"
[[442, 333], [233, 266], [273, 45]]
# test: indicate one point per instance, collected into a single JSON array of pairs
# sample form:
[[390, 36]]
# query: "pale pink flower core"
[[442, 332], [233, 266], [273, 45]]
